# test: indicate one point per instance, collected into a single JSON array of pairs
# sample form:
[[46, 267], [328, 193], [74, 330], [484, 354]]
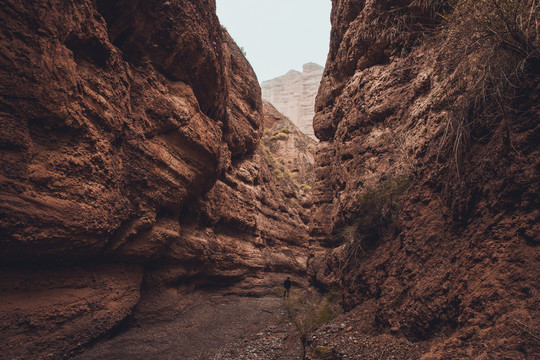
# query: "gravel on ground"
[[217, 328]]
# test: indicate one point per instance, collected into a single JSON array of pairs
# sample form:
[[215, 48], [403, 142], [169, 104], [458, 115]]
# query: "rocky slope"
[[293, 94], [127, 156], [431, 245]]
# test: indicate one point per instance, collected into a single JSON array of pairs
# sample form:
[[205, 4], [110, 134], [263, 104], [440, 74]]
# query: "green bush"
[[379, 206], [333, 295]]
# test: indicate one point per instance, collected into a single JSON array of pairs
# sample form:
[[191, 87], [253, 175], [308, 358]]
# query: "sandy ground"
[[219, 327]]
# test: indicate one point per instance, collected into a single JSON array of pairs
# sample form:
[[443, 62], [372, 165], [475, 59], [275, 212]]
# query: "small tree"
[[307, 311]]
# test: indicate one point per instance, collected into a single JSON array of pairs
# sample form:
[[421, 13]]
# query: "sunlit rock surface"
[[293, 94]]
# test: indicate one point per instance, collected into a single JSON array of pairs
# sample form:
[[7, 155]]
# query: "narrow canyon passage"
[[152, 203]]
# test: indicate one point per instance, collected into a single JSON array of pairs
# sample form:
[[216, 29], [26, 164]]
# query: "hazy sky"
[[278, 35]]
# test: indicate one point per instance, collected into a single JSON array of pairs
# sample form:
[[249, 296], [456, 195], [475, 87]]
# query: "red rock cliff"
[[437, 249], [116, 117]]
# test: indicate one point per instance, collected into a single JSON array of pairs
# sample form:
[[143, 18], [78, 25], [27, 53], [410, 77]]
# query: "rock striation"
[[244, 233], [251, 227], [130, 159], [449, 262], [293, 94]]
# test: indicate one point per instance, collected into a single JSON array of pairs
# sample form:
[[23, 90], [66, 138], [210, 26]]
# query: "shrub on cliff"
[[280, 136], [491, 47], [377, 211], [305, 187], [378, 206]]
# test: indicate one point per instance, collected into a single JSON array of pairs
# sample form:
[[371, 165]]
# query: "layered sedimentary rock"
[[116, 117], [293, 94], [251, 226], [457, 269]]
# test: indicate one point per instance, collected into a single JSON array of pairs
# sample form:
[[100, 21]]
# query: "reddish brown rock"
[[457, 273], [251, 226], [46, 313], [97, 137], [115, 116], [243, 127], [292, 148]]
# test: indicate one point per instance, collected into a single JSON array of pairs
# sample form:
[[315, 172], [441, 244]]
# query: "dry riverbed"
[[216, 327]]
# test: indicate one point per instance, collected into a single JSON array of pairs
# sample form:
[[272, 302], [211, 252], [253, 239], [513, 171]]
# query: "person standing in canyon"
[[287, 286]]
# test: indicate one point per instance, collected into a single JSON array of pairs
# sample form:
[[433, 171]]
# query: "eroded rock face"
[[293, 94], [252, 225], [117, 116], [47, 312], [457, 271], [96, 141]]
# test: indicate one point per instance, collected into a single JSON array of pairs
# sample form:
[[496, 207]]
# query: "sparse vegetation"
[[324, 351], [291, 175], [279, 136], [307, 311], [305, 187], [377, 212], [278, 173], [403, 25], [490, 48]]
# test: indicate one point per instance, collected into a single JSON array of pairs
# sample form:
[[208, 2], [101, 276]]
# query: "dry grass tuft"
[[307, 311], [490, 48]]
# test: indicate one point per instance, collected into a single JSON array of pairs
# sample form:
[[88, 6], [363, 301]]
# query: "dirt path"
[[220, 327]]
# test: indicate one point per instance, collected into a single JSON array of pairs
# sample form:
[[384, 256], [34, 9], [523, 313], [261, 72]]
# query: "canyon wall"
[[129, 161], [293, 94], [251, 227], [430, 244]]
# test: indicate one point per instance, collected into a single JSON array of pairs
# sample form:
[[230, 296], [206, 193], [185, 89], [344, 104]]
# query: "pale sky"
[[278, 35]]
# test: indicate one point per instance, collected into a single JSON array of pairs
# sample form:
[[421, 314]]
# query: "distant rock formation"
[[293, 94], [292, 148]]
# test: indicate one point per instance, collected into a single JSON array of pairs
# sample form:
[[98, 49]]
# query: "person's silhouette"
[[287, 286]]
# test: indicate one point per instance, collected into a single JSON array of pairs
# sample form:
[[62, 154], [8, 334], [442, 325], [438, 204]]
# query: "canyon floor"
[[213, 327]]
